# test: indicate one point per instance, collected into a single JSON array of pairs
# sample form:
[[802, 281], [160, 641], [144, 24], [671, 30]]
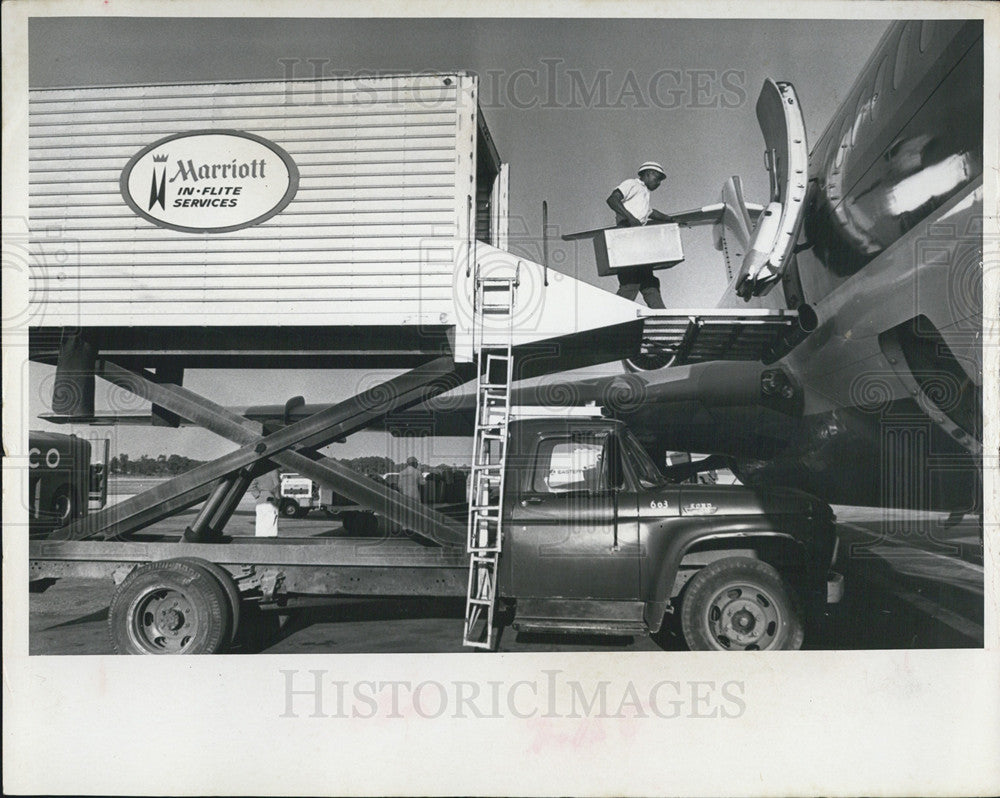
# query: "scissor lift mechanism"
[[224, 481]]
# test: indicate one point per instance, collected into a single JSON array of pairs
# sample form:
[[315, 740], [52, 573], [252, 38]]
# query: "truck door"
[[563, 535]]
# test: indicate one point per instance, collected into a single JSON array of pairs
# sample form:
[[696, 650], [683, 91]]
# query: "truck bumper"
[[834, 587]]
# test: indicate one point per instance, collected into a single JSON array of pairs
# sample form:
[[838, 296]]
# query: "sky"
[[574, 106]]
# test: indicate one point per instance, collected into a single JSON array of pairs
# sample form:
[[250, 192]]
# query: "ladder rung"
[[492, 432]]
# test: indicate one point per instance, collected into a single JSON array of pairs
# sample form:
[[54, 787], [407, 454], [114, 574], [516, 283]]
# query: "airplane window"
[[926, 33], [842, 144], [902, 56], [859, 116], [879, 87]]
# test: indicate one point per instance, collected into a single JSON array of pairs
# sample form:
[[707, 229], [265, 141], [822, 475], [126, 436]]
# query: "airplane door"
[[786, 155], [562, 527]]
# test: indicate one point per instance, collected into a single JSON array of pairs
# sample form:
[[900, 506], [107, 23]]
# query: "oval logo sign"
[[210, 181]]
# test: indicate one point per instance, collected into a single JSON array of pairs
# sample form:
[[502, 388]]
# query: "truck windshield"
[[646, 472]]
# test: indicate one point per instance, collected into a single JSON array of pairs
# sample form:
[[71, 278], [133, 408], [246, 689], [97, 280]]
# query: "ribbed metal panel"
[[374, 230]]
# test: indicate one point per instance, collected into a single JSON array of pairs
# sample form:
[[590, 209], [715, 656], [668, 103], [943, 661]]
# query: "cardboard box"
[[657, 246]]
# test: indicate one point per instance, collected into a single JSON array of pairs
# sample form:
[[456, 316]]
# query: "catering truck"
[[362, 223], [593, 540]]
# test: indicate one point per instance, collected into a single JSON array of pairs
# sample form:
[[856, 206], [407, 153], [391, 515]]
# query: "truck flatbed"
[[273, 566]]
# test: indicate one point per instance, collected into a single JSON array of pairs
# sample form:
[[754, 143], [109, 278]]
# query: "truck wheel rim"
[[163, 621], [743, 617]]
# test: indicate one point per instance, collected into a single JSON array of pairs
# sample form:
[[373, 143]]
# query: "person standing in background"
[[266, 491], [411, 479]]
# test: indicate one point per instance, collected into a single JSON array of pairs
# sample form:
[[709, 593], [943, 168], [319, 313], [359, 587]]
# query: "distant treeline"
[[146, 466], [174, 464]]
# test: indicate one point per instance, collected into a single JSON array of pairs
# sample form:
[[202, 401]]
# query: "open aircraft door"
[[786, 155]]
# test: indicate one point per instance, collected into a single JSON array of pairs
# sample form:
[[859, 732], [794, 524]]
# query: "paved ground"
[[915, 580]]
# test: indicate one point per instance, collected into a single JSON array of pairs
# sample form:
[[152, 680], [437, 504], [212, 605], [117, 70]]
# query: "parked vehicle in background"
[[63, 483], [299, 495]]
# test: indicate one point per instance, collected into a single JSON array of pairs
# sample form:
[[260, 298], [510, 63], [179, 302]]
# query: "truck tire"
[[224, 578], [290, 508], [349, 521], [366, 524], [740, 604], [169, 607], [361, 523]]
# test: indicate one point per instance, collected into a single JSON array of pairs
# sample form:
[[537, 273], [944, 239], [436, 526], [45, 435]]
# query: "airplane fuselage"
[[890, 264]]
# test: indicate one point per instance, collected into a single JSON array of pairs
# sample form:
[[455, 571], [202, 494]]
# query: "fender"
[[665, 543]]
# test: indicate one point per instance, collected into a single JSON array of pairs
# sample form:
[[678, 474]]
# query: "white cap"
[[653, 165]]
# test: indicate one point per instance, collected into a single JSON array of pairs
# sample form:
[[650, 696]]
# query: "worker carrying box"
[[643, 241], [635, 257]]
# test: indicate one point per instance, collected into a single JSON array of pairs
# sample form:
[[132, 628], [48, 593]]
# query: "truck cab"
[[596, 540]]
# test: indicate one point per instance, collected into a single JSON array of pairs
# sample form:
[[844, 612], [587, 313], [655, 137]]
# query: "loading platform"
[[696, 336]]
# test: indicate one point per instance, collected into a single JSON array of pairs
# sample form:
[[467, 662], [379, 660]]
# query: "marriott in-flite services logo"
[[158, 190], [209, 181]]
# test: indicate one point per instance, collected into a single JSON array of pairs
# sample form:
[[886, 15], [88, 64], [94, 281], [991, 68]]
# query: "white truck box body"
[[384, 198], [377, 226]]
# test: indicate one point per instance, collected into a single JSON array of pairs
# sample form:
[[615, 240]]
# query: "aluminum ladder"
[[494, 297]]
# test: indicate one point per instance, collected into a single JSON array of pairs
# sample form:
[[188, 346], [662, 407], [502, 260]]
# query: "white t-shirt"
[[636, 198]]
